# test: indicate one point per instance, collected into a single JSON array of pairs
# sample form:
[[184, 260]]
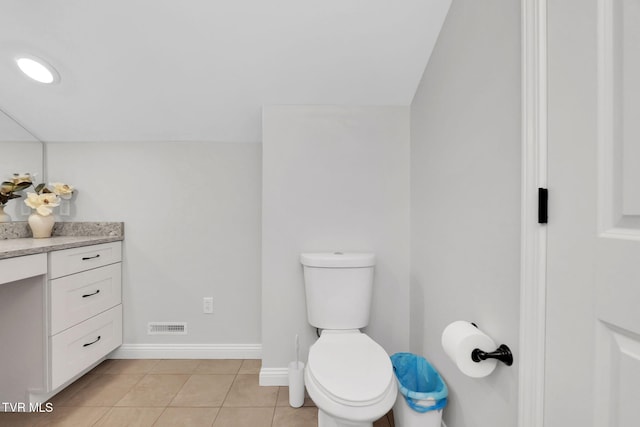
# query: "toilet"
[[348, 375]]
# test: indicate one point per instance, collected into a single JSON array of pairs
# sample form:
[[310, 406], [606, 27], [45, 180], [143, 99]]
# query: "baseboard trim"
[[187, 351], [274, 376]]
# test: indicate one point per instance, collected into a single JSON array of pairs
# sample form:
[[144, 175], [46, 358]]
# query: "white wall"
[[192, 229], [465, 201], [334, 178]]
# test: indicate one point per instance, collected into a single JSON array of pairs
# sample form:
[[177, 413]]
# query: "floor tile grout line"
[[160, 416], [178, 392], [129, 390], [102, 416], [235, 377], [273, 416], [226, 395]]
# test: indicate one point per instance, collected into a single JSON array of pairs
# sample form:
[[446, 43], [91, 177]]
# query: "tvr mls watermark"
[[23, 407]]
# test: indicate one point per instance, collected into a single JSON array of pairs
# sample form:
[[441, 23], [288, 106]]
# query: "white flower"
[[42, 203], [6, 188], [63, 190], [18, 178]]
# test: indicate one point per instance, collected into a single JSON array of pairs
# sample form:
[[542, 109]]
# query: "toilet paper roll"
[[459, 339]]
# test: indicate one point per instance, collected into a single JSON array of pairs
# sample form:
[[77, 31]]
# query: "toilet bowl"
[[350, 379]]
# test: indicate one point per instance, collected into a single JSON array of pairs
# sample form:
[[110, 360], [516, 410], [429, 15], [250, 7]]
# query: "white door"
[[593, 284]]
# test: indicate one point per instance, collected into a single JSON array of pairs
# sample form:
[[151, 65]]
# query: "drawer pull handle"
[[92, 342], [90, 257], [89, 295]]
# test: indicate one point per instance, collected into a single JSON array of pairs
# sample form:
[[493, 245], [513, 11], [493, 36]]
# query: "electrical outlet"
[[207, 305]]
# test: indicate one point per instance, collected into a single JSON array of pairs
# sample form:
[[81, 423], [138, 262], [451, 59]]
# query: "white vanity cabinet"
[[84, 287]]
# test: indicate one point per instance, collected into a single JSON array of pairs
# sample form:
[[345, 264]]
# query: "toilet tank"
[[338, 288]]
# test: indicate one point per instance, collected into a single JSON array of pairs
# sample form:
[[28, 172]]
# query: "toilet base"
[[326, 420]]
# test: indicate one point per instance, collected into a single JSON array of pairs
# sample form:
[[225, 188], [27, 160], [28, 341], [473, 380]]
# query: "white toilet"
[[348, 375]]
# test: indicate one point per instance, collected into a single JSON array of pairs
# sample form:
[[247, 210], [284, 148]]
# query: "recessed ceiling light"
[[37, 69]]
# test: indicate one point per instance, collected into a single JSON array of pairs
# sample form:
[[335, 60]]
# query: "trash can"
[[422, 394]]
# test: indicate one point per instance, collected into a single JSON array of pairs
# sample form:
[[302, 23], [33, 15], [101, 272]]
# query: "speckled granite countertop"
[[16, 240]]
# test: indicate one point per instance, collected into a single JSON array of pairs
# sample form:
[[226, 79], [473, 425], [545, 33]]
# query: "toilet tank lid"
[[338, 259]]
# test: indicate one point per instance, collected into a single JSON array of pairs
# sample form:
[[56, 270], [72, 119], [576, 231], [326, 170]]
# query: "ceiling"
[[201, 70]]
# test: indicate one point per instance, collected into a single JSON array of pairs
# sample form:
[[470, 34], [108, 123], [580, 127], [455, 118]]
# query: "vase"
[[41, 226], [4, 217]]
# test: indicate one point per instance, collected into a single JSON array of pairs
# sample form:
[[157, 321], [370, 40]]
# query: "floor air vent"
[[167, 328]]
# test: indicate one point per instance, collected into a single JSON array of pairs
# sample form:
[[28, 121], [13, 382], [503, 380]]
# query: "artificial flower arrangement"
[[43, 200], [16, 183]]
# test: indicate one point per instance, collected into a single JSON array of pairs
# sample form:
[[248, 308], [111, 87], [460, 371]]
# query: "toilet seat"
[[350, 368]]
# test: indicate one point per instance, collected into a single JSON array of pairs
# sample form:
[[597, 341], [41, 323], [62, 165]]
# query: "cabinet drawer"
[[69, 261], [81, 296], [79, 347], [22, 267]]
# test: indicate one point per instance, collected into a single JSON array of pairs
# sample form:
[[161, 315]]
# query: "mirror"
[[20, 152]]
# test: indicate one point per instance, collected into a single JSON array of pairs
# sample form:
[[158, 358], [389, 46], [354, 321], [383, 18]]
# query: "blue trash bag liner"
[[418, 380]]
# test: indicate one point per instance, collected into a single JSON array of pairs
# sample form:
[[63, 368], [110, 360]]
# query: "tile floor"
[[193, 393]]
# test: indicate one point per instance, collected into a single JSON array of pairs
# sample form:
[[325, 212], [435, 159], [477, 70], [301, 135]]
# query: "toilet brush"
[[296, 379], [297, 349]]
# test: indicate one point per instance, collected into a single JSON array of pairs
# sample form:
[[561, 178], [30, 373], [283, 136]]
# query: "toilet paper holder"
[[502, 353]]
